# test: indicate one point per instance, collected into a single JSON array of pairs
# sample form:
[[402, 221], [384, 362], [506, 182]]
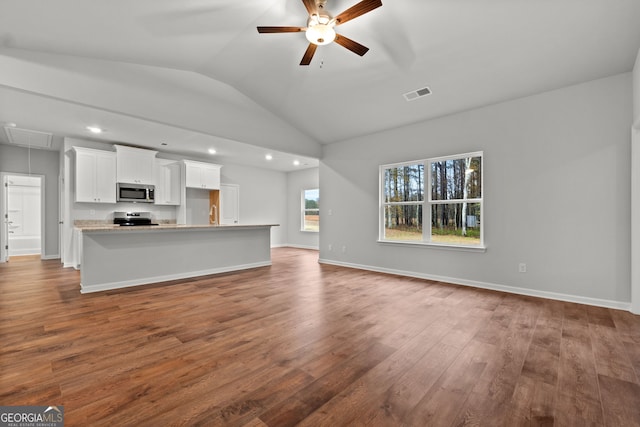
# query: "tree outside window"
[[403, 200], [311, 210], [452, 208]]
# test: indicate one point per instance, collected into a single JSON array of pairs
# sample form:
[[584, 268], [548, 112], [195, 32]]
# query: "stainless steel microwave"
[[135, 193]]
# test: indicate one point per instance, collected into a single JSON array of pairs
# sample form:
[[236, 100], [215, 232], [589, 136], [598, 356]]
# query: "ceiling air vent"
[[28, 138], [415, 94]]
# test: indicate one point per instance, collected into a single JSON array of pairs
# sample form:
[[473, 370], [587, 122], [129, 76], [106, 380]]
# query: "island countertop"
[[160, 227]]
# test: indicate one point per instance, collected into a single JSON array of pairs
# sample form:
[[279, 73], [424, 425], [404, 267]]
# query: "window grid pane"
[[403, 222], [404, 183], [456, 179], [456, 223]]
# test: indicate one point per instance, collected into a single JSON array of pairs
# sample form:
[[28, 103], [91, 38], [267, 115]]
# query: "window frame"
[[427, 203], [304, 209]]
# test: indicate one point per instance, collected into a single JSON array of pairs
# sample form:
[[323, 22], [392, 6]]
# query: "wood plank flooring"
[[300, 343]]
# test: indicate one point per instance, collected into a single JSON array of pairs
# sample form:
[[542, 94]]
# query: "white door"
[[60, 216], [22, 211], [229, 204]]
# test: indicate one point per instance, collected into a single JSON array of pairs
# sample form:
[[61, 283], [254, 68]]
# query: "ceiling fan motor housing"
[[320, 29], [320, 26]]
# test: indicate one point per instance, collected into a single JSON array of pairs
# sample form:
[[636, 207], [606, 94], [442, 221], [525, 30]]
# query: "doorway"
[[22, 214]]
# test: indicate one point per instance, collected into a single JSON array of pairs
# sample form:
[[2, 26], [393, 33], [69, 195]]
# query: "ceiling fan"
[[320, 26]]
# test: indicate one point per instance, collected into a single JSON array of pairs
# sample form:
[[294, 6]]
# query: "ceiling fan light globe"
[[321, 34]]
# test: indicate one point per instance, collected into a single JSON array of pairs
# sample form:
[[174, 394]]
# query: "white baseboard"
[[619, 305], [291, 245], [71, 265], [50, 257]]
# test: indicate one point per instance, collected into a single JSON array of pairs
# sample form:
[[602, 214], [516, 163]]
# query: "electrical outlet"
[[522, 267], [330, 212], [92, 212], [330, 247], [344, 248]]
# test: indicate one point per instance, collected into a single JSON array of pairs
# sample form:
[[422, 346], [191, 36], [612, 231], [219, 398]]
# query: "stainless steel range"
[[129, 219]]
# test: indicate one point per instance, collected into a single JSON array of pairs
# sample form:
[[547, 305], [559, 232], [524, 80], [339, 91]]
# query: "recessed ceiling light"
[[212, 151], [296, 162], [94, 129], [10, 124], [163, 143], [268, 157]]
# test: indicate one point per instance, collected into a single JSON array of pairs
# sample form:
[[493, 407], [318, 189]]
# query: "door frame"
[[635, 218], [4, 229]]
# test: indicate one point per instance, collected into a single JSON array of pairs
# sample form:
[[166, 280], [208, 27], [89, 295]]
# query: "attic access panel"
[[28, 138]]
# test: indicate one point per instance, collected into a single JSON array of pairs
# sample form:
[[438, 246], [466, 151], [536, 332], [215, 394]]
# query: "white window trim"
[[303, 208], [427, 202]]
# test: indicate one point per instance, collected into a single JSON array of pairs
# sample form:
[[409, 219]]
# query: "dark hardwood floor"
[[310, 344]]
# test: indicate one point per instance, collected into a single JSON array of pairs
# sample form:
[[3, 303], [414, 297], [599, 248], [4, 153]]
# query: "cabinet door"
[[211, 177], [145, 167], [105, 178], [95, 176], [160, 183], [135, 166], [126, 168], [202, 175], [167, 183], [173, 183], [85, 177], [193, 176]]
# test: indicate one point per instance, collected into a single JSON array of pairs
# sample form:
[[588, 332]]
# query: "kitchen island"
[[118, 257]]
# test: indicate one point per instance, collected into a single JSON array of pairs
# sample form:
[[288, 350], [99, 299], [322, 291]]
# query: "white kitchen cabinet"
[[95, 175], [202, 175], [167, 182], [135, 165]]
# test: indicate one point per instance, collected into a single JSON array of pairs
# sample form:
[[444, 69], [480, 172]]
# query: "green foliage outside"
[[438, 235]]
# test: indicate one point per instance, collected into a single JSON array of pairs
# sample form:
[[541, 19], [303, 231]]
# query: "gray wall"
[[43, 162], [636, 91], [263, 197], [296, 182], [556, 194]]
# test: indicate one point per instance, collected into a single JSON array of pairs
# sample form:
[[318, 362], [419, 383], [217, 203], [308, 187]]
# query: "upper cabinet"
[[167, 182], [135, 165], [202, 175], [95, 175]]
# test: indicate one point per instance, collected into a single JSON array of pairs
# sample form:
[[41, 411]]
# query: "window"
[[311, 210], [451, 206]]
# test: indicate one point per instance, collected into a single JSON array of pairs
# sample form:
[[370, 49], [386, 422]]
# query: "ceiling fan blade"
[[308, 54], [264, 30], [310, 5], [357, 10], [353, 46]]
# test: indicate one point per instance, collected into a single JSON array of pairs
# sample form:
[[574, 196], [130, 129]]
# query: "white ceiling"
[[196, 74]]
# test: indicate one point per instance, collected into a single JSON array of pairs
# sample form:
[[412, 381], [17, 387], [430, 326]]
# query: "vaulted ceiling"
[[195, 74]]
